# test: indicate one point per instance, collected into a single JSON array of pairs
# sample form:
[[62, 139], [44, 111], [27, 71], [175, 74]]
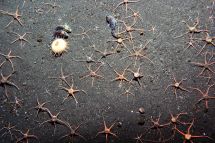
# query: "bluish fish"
[[111, 21], [112, 24]]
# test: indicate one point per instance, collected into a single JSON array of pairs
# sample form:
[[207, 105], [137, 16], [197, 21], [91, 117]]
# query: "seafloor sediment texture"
[[165, 57]]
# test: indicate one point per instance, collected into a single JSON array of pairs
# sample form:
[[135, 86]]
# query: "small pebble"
[[141, 110], [39, 40]]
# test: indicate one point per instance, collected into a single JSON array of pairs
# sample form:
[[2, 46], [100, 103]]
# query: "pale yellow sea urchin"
[[58, 46]]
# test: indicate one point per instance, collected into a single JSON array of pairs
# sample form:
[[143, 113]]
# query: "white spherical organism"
[[59, 46]]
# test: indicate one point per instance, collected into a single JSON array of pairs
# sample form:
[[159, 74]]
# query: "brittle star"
[[206, 65], [205, 96], [192, 29], [177, 85], [9, 58], [125, 2], [188, 136], [138, 53], [71, 91], [16, 16], [21, 38], [107, 131], [93, 74], [5, 81], [26, 136]]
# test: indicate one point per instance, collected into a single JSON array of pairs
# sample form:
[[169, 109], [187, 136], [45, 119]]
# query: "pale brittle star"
[[9, 58], [16, 16], [188, 136], [177, 85], [71, 91], [107, 131]]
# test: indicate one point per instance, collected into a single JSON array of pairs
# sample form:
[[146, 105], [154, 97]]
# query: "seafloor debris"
[[62, 31]]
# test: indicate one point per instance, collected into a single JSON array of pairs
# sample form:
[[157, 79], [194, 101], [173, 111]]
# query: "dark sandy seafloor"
[[105, 100]]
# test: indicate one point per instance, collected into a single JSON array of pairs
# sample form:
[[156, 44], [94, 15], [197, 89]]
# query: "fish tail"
[[114, 34]]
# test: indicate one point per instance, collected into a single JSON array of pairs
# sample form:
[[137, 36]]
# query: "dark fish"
[[111, 21], [114, 34], [112, 24]]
